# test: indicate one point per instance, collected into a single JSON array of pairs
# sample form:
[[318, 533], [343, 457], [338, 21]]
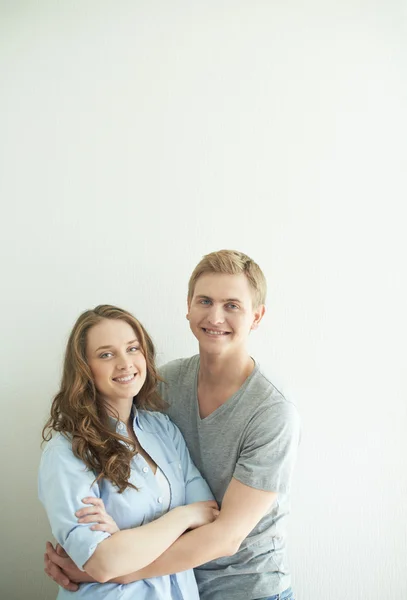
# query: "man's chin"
[[208, 347]]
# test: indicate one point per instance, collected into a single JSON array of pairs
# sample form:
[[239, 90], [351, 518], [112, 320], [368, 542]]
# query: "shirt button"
[[179, 466], [160, 500], [145, 469]]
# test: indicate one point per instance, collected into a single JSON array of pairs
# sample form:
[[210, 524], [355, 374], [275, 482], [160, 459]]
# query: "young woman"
[[115, 453]]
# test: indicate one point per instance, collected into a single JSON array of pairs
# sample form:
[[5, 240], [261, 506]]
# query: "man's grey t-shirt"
[[253, 437]]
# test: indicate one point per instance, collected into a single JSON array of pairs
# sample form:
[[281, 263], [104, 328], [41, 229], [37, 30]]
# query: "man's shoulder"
[[266, 397], [261, 385], [173, 370]]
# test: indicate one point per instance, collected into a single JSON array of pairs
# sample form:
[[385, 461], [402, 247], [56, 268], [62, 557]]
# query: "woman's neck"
[[121, 409]]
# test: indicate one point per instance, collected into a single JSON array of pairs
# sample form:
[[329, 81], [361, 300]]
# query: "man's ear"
[[188, 307], [258, 315]]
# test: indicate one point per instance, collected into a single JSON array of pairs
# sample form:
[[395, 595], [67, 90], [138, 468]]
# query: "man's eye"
[[203, 301], [232, 306]]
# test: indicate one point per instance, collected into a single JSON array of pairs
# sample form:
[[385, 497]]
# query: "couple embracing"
[[171, 484]]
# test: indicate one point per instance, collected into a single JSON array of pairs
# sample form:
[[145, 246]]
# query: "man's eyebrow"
[[202, 296], [108, 347]]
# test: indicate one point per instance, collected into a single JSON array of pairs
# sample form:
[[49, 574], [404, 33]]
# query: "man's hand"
[[62, 569]]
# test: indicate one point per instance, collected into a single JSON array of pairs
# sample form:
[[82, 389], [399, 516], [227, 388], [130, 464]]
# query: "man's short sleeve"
[[269, 448]]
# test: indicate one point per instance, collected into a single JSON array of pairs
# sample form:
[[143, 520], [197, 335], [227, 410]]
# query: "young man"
[[242, 435]]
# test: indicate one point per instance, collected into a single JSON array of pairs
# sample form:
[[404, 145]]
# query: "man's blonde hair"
[[231, 262]]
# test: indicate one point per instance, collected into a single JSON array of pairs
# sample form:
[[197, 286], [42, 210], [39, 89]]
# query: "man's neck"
[[223, 371]]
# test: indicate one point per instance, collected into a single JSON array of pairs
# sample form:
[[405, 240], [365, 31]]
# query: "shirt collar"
[[120, 427]]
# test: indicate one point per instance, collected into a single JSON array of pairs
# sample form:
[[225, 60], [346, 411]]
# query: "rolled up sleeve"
[[62, 484]]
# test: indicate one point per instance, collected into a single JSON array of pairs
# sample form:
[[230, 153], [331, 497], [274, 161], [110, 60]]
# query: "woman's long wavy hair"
[[78, 411]]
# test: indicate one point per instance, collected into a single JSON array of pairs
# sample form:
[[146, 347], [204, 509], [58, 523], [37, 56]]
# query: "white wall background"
[[138, 136]]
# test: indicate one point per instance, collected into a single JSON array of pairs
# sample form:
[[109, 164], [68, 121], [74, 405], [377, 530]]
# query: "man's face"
[[221, 313]]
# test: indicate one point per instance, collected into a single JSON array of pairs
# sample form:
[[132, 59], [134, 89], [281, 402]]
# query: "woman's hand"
[[96, 513], [202, 513]]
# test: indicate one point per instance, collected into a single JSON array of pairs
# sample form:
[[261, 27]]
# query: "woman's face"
[[115, 358]]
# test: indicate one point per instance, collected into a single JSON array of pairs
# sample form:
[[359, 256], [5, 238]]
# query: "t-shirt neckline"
[[229, 402]]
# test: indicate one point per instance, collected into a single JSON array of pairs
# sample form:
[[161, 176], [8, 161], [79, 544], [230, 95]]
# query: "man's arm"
[[242, 508]]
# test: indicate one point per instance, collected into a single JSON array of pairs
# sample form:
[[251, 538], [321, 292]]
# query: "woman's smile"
[[125, 379]]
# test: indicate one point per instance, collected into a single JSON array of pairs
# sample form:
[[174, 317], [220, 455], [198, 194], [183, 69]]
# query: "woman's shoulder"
[[152, 420], [59, 443], [159, 423]]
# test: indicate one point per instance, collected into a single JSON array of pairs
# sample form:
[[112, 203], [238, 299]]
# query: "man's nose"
[[216, 315]]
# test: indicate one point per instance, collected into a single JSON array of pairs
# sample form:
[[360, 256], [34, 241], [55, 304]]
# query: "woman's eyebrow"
[[108, 347]]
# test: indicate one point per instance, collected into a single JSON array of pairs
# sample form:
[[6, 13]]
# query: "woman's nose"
[[124, 362]]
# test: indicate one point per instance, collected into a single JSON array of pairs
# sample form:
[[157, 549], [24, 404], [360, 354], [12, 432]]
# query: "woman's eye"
[[106, 355], [134, 348]]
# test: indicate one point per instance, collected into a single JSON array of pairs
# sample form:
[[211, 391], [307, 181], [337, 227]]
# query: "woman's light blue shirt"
[[64, 481]]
